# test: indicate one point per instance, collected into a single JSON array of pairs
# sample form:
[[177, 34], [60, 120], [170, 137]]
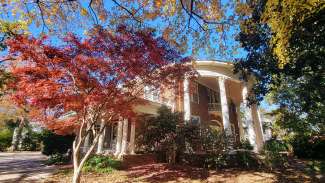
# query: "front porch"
[[223, 102], [118, 139]]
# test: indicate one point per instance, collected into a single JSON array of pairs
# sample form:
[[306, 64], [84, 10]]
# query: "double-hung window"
[[195, 93]]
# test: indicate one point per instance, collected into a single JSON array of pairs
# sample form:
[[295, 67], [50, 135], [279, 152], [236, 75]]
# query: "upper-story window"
[[195, 93], [213, 96], [151, 93]]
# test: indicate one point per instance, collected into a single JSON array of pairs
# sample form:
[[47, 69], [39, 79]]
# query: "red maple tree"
[[71, 87]]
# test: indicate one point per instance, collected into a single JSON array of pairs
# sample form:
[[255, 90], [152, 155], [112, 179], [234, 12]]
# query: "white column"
[[101, 139], [258, 127], [119, 137], [260, 122], [224, 106], [248, 120], [187, 101], [132, 137], [124, 138], [240, 123]]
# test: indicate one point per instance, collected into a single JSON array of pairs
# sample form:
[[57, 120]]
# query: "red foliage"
[[105, 72]]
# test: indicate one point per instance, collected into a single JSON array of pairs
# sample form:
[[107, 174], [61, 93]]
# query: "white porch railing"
[[214, 107]]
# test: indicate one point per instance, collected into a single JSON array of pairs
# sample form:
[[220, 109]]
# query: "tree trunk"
[[17, 135], [23, 136], [77, 167], [76, 176]]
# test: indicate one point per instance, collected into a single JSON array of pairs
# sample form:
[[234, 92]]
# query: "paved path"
[[23, 167]]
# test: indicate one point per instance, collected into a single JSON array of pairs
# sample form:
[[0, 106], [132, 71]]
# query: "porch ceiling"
[[233, 88]]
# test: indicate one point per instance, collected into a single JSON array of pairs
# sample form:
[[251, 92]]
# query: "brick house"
[[217, 97]]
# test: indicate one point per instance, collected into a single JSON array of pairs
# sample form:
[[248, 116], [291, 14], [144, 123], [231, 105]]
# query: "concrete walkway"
[[24, 167]]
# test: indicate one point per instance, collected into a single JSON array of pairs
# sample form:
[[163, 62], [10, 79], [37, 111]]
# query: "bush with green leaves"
[[245, 144], [57, 159], [308, 147], [5, 138], [198, 144], [274, 153], [53, 143], [245, 159], [275, 145], [31, 140], [101, 164], [158, 132], [316, 166], [179, 141]]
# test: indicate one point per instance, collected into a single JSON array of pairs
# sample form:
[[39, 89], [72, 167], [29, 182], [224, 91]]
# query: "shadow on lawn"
[[296, 172], [180, 173], [163, 172]]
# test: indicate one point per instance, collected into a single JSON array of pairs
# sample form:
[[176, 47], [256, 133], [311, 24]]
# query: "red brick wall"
[[201, 108]]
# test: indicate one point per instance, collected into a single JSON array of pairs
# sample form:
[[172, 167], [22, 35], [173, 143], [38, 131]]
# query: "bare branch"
[[191, 16], [195, 16], [128, 11], [38, 3], [7, 59], [94, 16]]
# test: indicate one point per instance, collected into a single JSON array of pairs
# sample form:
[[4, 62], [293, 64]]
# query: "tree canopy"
[[102, 72], [285, 48], [192, 26]]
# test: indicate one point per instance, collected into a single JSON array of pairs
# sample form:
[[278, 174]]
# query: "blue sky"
[[36, 31]]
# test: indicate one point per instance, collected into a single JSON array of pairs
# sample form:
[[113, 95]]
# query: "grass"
[[101, 164]]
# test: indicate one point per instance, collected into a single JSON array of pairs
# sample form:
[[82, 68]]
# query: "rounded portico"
[[218, 97]]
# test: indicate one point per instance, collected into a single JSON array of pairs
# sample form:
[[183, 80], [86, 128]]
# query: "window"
[[195, 120], [213, 96], [151, 93], [195, 93]]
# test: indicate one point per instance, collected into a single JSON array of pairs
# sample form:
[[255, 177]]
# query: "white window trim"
[[197, 92]]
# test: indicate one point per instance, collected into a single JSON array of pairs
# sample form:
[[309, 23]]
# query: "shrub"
[[175, 141], [317, 166], [157, 133], [30, 141], [275, 145], [272, 151], [308, 147], [5, 138], [53, 143], [202, 146], [245, 159], [245, 144], [217, 161], [101, 164], [57, 159]]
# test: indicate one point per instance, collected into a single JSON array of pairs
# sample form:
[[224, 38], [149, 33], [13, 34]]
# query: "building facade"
[[216, 97]]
